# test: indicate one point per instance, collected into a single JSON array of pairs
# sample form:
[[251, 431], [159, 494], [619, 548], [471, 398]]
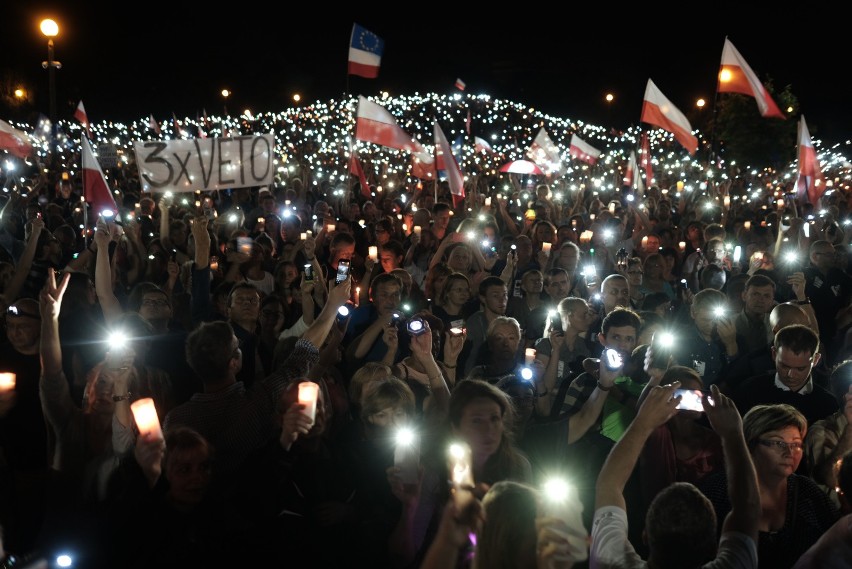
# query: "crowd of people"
[[553, 337]]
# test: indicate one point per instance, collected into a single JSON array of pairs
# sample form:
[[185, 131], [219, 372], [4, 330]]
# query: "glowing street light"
[[225, 94], [50, 29]]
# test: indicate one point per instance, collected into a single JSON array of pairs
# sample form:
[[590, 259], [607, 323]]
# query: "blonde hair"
[[366, 378]]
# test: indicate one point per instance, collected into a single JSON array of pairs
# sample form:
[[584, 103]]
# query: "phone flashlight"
[[456, 331], [738, 251], [416, 327], [343, 311], [406, 456], [612, 359], [666, 339], [117, 339], [718, 311]]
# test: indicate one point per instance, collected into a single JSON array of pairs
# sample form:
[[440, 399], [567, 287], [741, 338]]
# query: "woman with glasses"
[[795, 512], [635, 275], [654, 276]]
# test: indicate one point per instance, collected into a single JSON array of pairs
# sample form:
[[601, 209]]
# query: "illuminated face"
[[386, 298], [504, 340], [771, 459], [532, 283], [245, 305], [568, 259], [615, 292], [460, 259], [442, 219], [24, 331], [389, 418], [481, 426], [794, 368], [558, 286], [759, 299], [459, 292], [581, 318], [544, 233], [155, 306], [621, 338], [495, 299], [389, 260]]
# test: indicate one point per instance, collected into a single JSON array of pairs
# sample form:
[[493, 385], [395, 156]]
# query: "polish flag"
[[375, 124], [356, 169], [659, 111], [178, 128], [645, 157], [80, 115], [545, 154], [460, 85], [153, 125], [735, 76], [582, 150], [481, 146], [630, 171], [15, 141], [423, 165], [95, 188], [444, 160], [810, 184]]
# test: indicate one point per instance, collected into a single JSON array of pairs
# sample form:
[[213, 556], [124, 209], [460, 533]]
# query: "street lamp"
[[609, 98], [225, 94], [51, 29]]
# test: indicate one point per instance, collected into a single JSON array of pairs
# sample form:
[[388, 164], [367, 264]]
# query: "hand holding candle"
[[146, 418], [373, 253], [417, 229], [308, 395], [546, 247], [529, 356]]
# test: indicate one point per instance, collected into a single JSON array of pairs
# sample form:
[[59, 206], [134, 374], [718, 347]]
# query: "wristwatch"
[[126, 397], [801, 302]]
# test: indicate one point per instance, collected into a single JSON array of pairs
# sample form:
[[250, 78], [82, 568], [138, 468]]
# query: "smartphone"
[[690, 399], [244, 245], [309, 272], [460, 458], [456, 331], [612, 359], [342, 271]]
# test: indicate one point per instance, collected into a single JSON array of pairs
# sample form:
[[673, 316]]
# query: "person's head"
[[796, 352], [386, 407], [680, 528], [23, 326], [460, 258], [568, 256], [532, 283], [708, 306], [213, 352], [556, 284], [271, 313], [286, 275], [440, 216], [714, 231], [619, 330], [714, 250], [366, 378], [493, 295], [712, 277], [508, 537], [840, 381], [615, 292], [759, 295], [385, 293], [774, 435], [503, 337], [391, 255], [787, 314], [575, 314], [151, 302], [651, 323], [244, 304], [384, 231], [188, 466], [658, 302], [436, 276], [544, 232], [482, 415], [524, 249], [456, 290], [822, 255], [635, 272], [342, 247]]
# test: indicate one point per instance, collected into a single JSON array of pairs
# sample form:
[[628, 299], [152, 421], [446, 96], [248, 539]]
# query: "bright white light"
[[117, 339], [667, 339], [405, 436], [557, 489], [526, 373], [64, 560]]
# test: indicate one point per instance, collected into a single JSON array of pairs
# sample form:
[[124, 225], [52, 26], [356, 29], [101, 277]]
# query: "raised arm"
[[24, 263], [744, 516], [103, 274], [320, 328], [580, 422]]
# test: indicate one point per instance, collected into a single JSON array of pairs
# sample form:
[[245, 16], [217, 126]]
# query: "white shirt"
[[805, 390]]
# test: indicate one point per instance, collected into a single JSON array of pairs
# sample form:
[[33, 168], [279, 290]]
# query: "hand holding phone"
[[342, 271], [690, 399]]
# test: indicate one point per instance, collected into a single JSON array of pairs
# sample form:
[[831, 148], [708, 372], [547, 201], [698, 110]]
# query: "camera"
[[612, 359]]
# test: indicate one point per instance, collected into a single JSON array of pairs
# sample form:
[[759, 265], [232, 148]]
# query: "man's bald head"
[[787, 314]]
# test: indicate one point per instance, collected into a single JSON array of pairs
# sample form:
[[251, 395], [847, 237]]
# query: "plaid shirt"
[[578, 393], [237, 420]]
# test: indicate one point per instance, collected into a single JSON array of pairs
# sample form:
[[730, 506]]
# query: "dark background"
[[128, 61]]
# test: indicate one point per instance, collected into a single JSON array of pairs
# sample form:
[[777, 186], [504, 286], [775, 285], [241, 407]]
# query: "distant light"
[[64, 560]]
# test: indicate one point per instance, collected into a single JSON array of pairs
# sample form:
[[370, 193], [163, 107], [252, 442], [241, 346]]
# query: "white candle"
[[214, 263], [747, 225], [146, 418], [374, 253], [417, 229], [780, 203], [727, 201], [309, 232], [461, 473], [404, 227], [303, 236], [529, 356], [682, 246], [612, 207], [644, 241], [331, 227], [308, 395], [488, 201], [7, 382], [546, 247]]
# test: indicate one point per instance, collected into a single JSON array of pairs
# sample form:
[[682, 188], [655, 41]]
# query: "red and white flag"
[[15, 141], [460, 85], [545, 154], [375, 124], [659, 111], [810, 184], [630, 171], [80, 115], [481, 146], [423, 165], [178, 128], [356, 169], [444, 160], [645, 157], [735, 76], [153, 125], [582, 150], [95, 188]]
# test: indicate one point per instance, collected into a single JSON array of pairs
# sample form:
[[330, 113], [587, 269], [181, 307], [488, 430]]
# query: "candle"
[[546, 247], [404, 227], [591, 217], [780, 203], [308, 395], [488, 201], [406, 455], [417, 229], [373, 253], [727, 201], [679, 185], [461, 473], [303, 236], [309, 232], [331, 227], [7, 382], [612, 207], [682, 246], [214, 263], [499, 196], [644, 242], [586, 236], [747, 225], [529, 356], [146, 418], [357, 296], [379, 189]]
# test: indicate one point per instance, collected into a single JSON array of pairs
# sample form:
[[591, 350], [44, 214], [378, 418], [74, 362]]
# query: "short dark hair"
[[619, 317], [138, 292], [209, 349], [341, 238], [439, 207], [394, 247], [758, 281], [488, 282], [384, 278], [242, 286], [798, 338], [681, 527]]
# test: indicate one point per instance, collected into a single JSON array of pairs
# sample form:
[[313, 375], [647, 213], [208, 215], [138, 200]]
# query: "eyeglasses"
[[781, 446], [158, 303]]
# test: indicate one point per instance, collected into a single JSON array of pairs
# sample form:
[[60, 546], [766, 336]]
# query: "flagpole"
[[712, 156]]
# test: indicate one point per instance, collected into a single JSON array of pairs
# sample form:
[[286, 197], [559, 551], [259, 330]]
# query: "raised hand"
[[797, 283], [295, 423], [722, 413], [50, 299], [659, 406], [339, 294]]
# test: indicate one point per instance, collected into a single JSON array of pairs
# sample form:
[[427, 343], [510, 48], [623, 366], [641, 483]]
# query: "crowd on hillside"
[[550, 330]]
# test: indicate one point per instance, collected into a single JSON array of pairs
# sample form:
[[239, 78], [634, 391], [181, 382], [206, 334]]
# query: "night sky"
[[157, 58]]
